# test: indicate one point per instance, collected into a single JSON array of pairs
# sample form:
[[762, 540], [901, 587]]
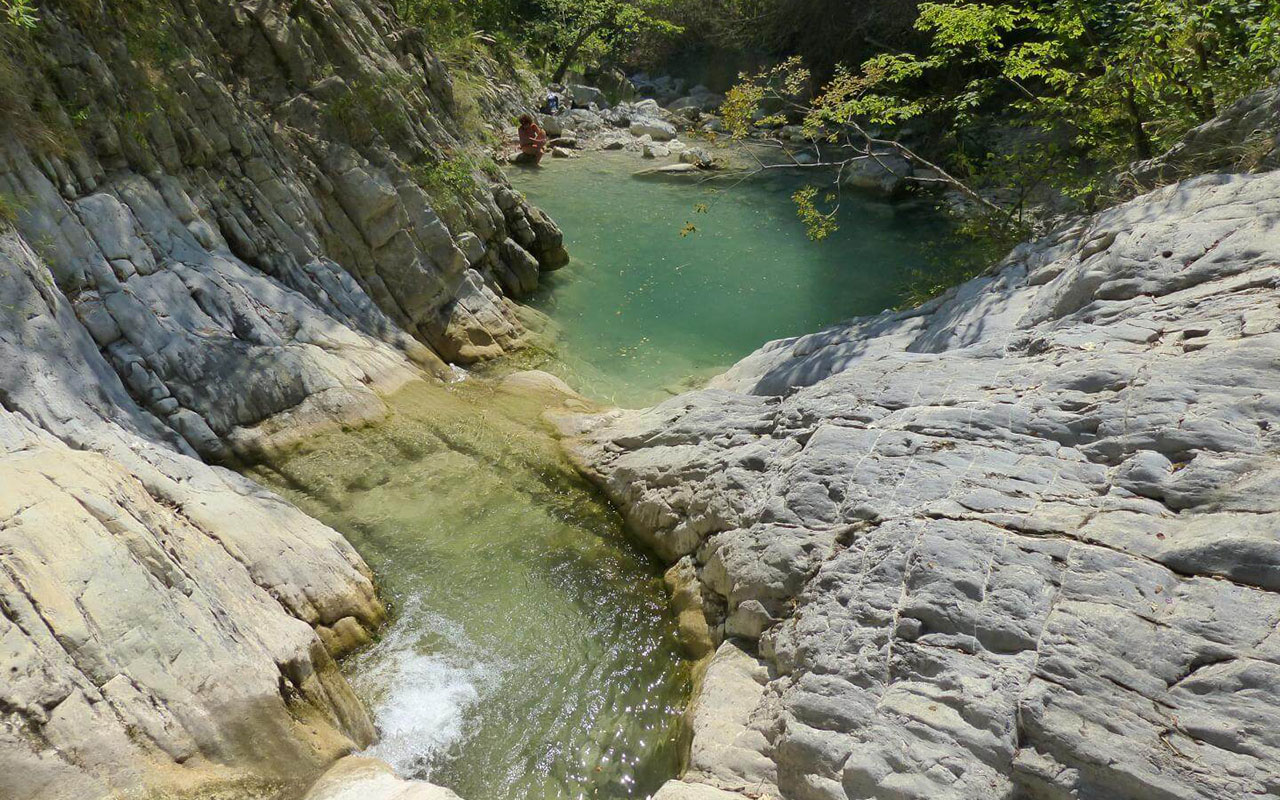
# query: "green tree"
[[601, 28], [1126, 78], [20, 13], [1093, 83]]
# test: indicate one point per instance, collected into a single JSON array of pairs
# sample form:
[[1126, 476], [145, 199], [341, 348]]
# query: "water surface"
[[643, 311], [530, 654]]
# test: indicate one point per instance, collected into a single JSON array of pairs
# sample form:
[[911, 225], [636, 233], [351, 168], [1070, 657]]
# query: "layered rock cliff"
[[1021, 542], [221, 224], [193, 172]]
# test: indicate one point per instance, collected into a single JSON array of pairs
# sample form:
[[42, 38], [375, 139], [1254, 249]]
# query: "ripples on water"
[[531, 655]]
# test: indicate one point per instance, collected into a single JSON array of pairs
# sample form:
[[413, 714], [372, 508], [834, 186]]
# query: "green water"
[[530, 654], [643, 311]]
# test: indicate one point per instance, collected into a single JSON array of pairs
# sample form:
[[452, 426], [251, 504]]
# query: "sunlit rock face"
[[166, 626], [1020, 542], [253, 188], [223, 227]]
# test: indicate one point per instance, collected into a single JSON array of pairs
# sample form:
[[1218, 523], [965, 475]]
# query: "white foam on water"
[[420, 681]]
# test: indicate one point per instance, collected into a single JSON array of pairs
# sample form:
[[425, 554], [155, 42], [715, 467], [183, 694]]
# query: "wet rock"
[[885, 173], [669, 171], [696, 635], [698, 157]]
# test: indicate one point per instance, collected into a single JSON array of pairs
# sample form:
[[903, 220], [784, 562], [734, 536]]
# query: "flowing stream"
[[531, 654]]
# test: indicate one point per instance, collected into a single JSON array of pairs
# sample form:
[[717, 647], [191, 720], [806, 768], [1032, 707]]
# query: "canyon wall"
[[222, 224]]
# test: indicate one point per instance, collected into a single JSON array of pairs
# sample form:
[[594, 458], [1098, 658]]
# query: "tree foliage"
[[596, 30], [561, 32], [1081, 87], [20, 13], [1125, 79]]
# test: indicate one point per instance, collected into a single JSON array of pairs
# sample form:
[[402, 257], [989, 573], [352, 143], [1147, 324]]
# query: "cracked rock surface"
[[1021, 542]]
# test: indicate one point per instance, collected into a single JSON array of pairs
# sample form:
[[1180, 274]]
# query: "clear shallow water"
[[530, 654], [642, 312]]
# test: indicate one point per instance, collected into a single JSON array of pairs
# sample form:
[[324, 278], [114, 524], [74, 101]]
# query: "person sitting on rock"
[[533, 140]]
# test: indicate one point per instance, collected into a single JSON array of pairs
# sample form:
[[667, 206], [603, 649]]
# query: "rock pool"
[[643, 311], [530, 653]]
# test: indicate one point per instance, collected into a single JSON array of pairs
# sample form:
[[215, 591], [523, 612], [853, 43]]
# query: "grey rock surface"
[[302, 145], [659, 130], [223, 227], [166, 627], [1245, 137], [1020, 542]]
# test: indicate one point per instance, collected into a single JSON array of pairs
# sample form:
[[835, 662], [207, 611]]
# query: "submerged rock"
[[669, 170], [1017, 542], [883, 173]]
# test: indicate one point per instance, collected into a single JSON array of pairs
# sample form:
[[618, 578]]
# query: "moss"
[[10, 207], [372, 105]]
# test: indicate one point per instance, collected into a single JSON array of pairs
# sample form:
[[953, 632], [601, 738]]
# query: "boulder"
[[885, 173], [617, 117], [583, 119], [554, 125], [582, 96], [658, 129], [518, 270], [705, 102], [360, 778], [614, 83], [698, 157], [646, 108]]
